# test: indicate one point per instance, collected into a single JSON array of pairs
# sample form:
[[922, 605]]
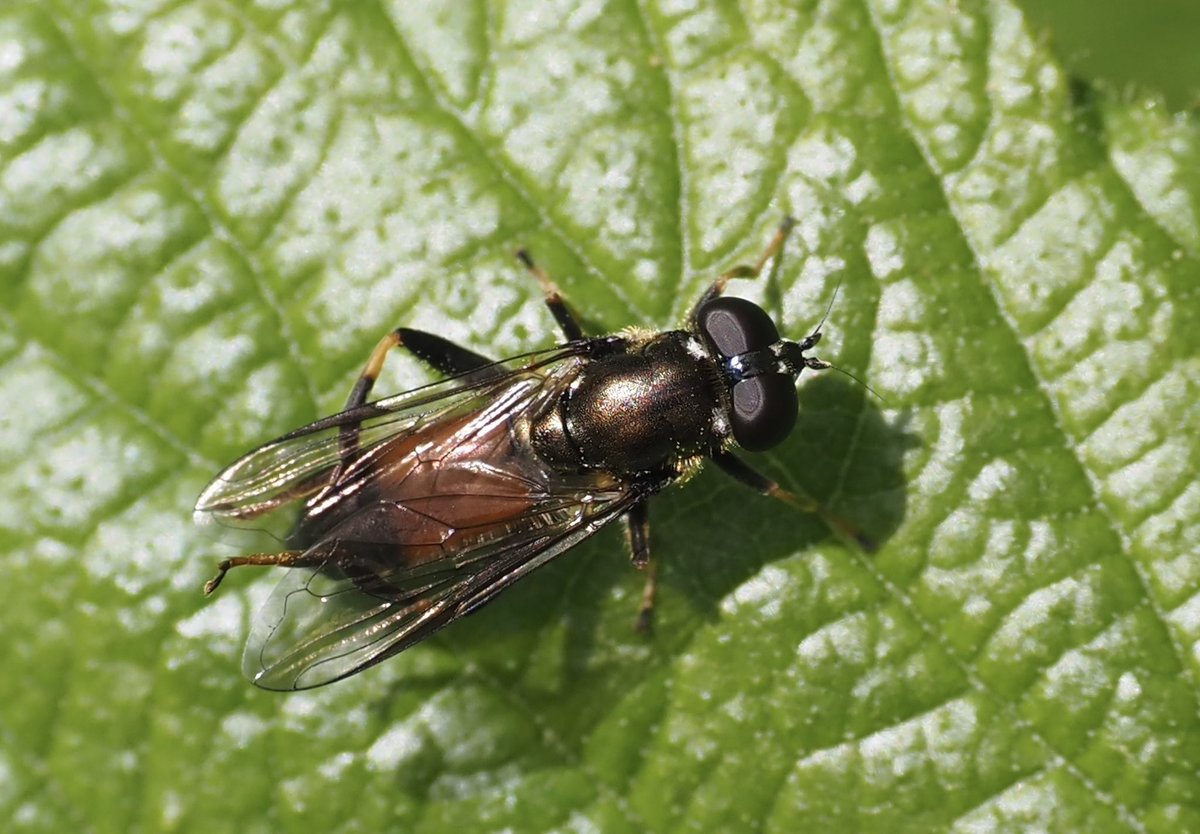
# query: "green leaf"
[[1147, 45], [210, 212]]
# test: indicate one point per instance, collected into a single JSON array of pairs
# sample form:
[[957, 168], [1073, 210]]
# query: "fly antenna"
[[820, 324], [856, 379], [829, 309]]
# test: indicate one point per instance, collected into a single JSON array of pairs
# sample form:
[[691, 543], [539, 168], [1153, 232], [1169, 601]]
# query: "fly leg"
[[443, 355], [446, 357], [746, 475], [638, 524], [348, 434], [744, 270], [286, 559], [554, 300]]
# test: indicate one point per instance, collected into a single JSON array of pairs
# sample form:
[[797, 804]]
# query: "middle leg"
[[747, 475], [638, 525], [567, 322]]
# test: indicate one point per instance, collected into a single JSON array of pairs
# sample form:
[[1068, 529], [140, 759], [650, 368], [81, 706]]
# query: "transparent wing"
[[406, 514], [279, 485], [326, 623]]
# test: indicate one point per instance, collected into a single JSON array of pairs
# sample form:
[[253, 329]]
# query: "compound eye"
[[734, 325], [764, 411]]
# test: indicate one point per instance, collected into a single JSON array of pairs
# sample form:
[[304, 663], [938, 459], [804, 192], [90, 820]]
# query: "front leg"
[[746, 475], [744, 271]]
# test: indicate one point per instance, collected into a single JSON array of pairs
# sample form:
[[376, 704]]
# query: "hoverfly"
[[407, 513]]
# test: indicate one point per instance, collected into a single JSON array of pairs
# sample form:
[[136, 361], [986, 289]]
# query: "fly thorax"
[[637, 411]]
